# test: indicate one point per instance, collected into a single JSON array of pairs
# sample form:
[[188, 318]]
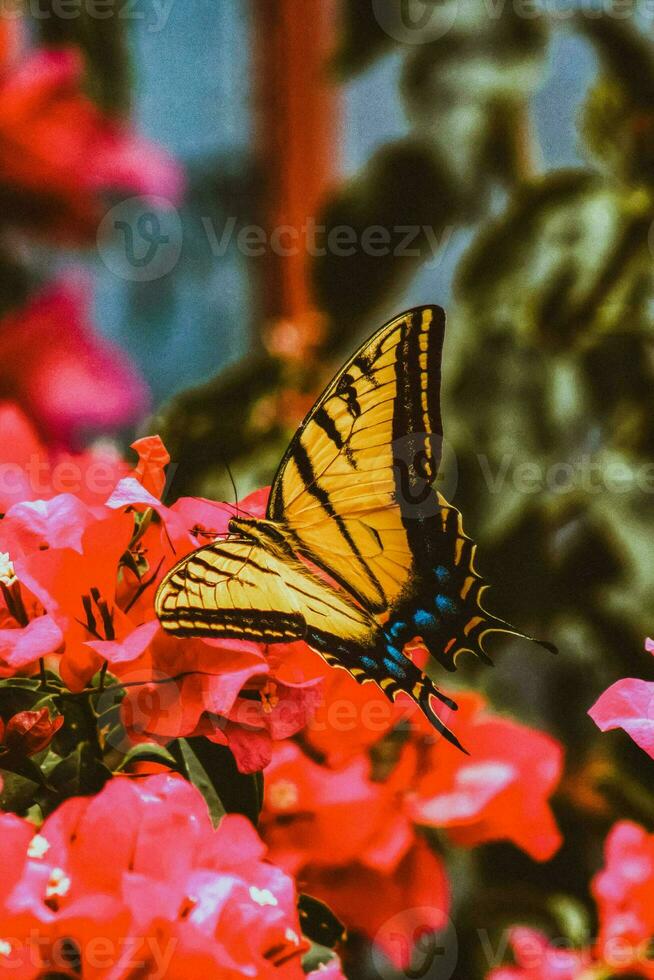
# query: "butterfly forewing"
[[344, 486]]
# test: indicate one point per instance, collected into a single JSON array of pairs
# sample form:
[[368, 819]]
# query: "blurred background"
[[277, 178]]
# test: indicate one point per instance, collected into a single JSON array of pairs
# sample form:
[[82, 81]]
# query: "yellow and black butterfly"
[[354, 497]]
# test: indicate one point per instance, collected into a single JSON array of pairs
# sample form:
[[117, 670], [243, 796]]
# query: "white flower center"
[[58, 884], [7, 573], [38, 846], [262, 896]]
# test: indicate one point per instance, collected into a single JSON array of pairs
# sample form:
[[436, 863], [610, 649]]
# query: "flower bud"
[[28, 732]]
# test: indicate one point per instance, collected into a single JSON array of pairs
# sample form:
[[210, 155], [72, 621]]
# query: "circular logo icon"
[[418, 939], [416, 21], [140, 239], [415, 457]]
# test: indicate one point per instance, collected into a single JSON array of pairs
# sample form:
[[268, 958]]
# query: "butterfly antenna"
[[225, 463], [239, 511], [233, 483]]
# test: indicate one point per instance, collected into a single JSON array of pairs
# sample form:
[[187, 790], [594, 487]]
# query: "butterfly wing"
[[370, 445], [238, 589], [355, 491]]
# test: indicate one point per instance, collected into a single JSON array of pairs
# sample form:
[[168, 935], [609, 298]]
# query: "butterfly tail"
[[405, 677], [477, 631], [424, 694]]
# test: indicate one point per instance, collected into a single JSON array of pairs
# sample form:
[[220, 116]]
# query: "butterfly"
[[358, 554]]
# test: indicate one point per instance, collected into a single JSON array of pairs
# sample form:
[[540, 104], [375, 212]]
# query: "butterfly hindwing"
[[239, 589]]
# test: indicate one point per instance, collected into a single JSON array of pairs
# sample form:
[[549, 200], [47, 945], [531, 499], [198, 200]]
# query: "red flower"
[[29, 732], [194, 687], [69, 379], [628, 704], [345, 835], [59, 152], [78, 590], [175, 894], [392, 909], [153, 460], [344, 818], [309, 813], [351, 717], [500, 791]]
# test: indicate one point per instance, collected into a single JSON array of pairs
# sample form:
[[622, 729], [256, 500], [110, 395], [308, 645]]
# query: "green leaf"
[[319, 924], [197, 774], [568, 260], [103, 43], [572, 916], [17, 794], [22, 766], [362, 39], [24, 694], [316, 957], [399, 212], [147, 752], [81, 773], [80, 725]]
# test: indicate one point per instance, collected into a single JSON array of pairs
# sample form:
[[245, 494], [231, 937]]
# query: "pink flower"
[[59, 153], [624, 893], [624, 888], [536, 959], [628, 704], [173, 892], [70, 380]]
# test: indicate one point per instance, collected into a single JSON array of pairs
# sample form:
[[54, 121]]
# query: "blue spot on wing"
[[397, 629], [396, 655], [394, 669], [442, 574], [368, 663], [445, 605], [424, 619]]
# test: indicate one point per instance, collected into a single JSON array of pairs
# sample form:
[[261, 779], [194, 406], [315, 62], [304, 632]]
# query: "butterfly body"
[[359, 554]]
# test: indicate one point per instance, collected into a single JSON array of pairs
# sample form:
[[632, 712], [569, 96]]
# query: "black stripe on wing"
[[256, 624], [418, 431]]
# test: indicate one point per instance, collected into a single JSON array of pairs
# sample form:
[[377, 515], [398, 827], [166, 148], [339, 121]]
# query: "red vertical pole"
[[297, 138]]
